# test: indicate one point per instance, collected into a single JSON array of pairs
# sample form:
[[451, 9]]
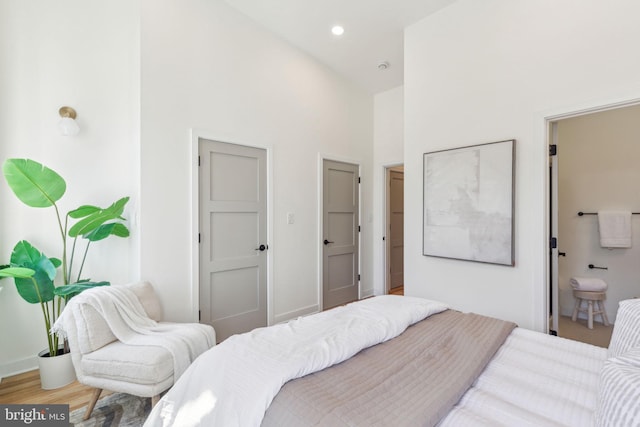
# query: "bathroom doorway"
[[594, 167]]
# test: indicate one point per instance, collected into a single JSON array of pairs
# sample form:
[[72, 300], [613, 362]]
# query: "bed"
[[403, 361]]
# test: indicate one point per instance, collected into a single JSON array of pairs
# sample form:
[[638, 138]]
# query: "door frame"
[[554, 264], [386, 221], [321, 158], [545, 131], [195, 136]]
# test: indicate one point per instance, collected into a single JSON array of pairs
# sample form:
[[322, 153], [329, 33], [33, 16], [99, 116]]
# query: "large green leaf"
[[33, 183], [19, 272], [102, 232], [69, 291], [96, 219], [106, 230], [39, 287], [120, 230], [82, 211], [26, 255]]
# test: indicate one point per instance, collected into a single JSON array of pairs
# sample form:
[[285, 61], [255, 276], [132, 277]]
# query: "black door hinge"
[[199, 315], [358, 229], [553, 243], [553, 149], [199, 238], [198, 160], [358, 180], [358, 277]]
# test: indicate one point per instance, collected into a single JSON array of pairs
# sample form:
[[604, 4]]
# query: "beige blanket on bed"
[[412, 380]]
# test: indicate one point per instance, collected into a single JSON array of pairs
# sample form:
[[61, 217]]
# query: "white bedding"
[[534, 380], [233, 383]]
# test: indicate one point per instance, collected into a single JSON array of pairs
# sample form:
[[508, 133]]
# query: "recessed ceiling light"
[[383, 65], [337, 30]]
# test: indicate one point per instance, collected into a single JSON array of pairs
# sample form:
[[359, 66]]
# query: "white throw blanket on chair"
[[129, 322]]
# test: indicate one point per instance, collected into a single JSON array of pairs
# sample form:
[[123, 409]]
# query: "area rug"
[[115, 410]]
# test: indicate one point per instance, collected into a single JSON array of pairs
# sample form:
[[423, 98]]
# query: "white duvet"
[[234, 383]]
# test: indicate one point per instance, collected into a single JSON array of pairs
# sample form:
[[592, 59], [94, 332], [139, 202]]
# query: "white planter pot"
[[55, 372]]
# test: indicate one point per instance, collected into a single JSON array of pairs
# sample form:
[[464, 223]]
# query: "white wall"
[[85, 55], [487, 71], [388, 150], [598, 156], [141, 75], [205, 66]]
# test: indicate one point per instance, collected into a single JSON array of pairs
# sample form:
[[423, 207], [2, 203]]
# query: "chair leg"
[[154, 400], [92, 403]]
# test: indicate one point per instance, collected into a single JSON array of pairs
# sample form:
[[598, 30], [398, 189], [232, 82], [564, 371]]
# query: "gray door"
[[340, 228], [396, 229], [233, 237]]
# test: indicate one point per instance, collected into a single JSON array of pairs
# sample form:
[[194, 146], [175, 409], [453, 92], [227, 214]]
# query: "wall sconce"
[[67, 124]]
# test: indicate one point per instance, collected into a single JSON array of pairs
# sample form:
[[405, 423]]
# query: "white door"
[[340, 279], [396, 229], [233, 237]]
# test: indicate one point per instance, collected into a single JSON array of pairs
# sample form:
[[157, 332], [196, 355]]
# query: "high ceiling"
[[373, 32]]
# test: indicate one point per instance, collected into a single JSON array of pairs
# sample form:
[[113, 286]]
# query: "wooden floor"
[[397, 291], [25, 388]]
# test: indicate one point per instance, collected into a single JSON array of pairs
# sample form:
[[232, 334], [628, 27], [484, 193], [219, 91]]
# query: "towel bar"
[[595, 213]]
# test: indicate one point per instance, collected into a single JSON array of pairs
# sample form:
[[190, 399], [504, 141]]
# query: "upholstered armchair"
[[138, 362]]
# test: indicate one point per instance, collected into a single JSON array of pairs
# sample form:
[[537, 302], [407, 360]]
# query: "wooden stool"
[[591, 298]]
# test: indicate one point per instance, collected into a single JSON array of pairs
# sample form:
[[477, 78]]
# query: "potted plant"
[[33, 272]]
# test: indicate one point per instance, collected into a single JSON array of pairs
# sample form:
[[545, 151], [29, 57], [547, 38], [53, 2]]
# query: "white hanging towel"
[[590, 284], [615, 229]]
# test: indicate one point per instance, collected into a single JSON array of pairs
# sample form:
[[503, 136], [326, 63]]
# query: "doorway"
[[594, 169], [341, 229], [232, 182], [394, 240]]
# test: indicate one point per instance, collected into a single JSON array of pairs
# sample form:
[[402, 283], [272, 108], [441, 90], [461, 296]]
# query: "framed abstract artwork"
[[469, 203]]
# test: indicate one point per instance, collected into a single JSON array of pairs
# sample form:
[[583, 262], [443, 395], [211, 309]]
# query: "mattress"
[[533, 380]]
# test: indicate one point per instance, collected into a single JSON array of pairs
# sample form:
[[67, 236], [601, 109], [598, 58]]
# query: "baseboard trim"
[[366, 293], [18, 367]]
